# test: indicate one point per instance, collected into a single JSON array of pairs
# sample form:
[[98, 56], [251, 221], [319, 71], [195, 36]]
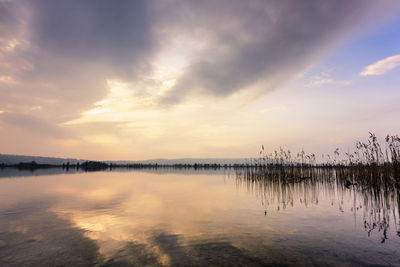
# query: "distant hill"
[[15, 159]]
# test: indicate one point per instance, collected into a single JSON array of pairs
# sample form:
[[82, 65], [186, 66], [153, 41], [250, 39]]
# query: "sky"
[[134, 80]]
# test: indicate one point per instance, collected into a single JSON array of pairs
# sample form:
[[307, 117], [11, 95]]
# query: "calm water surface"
[[186, 218]]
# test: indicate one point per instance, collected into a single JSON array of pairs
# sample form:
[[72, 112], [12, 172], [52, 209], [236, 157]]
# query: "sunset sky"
[[114, 80]]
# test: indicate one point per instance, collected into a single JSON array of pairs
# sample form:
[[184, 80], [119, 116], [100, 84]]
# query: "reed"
[[369, 158]]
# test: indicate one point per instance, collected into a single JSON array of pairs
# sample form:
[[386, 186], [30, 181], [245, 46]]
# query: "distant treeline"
[[97, 165], [383, 157]]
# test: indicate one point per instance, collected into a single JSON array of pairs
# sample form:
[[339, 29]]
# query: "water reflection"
[[376, 197], [216, 218]]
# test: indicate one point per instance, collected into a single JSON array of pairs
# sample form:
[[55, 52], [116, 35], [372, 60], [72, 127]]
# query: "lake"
[[167, 217]]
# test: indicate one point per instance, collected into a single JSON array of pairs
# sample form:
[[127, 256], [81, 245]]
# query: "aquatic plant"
[[368, 158]]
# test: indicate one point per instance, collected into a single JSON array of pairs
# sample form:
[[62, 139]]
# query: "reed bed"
[[370, 159], [371, 174]]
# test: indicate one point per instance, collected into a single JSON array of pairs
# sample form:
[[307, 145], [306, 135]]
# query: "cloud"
[[115, 34], [325, 78], [263, 44], [59, 55], [57, 60], [32, 124], [382, 66]]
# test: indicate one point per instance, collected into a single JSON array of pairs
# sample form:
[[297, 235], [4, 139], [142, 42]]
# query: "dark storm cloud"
[[264, 41], [67, 49], [115, 33], [8, 16]]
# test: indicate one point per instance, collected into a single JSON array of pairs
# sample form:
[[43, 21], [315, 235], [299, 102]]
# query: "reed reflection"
[[373, 193], [198, 218]]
